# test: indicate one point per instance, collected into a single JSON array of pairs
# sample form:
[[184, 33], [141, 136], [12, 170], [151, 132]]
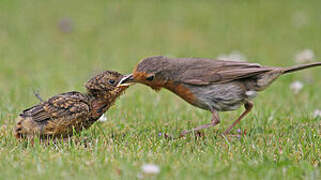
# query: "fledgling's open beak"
[[126, 81]]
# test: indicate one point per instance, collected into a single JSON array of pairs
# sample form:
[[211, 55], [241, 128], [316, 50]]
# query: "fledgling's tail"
[[18, 130], [300, 67]]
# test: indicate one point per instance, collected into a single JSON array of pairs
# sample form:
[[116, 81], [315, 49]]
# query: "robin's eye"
[[111, 81], [150, 78]]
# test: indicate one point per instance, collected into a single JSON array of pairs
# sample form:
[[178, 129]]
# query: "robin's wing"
[[70, 105], [198, 71]]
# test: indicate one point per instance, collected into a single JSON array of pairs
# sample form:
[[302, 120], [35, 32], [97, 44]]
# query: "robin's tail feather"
[[300, 67]]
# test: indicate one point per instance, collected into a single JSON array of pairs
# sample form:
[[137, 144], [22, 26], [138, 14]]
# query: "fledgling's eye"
[[111, 81], [150, 78]]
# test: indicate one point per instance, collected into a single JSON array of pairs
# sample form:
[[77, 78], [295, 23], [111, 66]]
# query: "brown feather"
[[70, 112]]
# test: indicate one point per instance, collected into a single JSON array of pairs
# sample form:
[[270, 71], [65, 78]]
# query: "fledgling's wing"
[[69, 105], [198, 71]]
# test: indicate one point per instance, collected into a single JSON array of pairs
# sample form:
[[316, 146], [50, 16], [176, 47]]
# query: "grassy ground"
[[283, 140]]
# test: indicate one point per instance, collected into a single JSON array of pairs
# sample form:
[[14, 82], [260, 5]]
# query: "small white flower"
[[150, 169], [304, 56], [317, 113], [296, 86], [103, 118], [233, 56], [237, 56], [222, 57]]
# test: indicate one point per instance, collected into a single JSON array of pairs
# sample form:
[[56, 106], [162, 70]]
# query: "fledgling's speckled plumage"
[[69, 113]]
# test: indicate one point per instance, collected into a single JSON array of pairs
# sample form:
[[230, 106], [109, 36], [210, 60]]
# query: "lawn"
[[55, 46]]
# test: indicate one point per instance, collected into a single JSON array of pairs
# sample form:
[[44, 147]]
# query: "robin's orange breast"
[[181, 91]]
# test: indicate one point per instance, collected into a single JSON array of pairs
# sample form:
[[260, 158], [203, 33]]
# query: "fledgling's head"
[[106, 83], [151, 71]]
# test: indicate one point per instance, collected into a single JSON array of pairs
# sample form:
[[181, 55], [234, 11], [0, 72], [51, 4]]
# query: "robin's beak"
[[126, 81]]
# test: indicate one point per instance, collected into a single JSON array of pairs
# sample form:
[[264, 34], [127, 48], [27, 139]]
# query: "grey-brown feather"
[[200, 71], [216, 84], [221, 97]]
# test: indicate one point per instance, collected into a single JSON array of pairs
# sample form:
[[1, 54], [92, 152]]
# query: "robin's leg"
[[214, 122], [248, 107]]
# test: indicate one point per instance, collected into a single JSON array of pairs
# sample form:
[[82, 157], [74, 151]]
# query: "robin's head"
[[151, 71], [105, 82]]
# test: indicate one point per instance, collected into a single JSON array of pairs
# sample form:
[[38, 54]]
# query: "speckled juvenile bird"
[[67, 113], [213, 85]]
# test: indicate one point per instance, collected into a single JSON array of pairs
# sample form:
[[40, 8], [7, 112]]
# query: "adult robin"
[[213, 85], [68, 113]]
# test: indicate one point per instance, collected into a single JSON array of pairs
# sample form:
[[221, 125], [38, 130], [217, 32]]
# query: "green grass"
[[283, 141]]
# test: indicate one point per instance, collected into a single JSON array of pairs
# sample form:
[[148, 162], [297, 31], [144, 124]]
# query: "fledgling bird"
[[213, 85], [68, 113]]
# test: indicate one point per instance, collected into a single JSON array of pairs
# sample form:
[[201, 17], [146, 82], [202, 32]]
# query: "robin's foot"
[[248, 107], [169, 137], [197, 134], [197, 129], [215, 120], [239, 133]]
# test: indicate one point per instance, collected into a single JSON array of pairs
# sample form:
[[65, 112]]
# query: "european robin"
[[213, 85], [70, 112]]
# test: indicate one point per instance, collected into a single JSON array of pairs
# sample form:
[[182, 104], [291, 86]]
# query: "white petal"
[[317, 113], [150, 169], [233, 56], [296, 86], [305, 56], [223, 57], [237, 56]]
